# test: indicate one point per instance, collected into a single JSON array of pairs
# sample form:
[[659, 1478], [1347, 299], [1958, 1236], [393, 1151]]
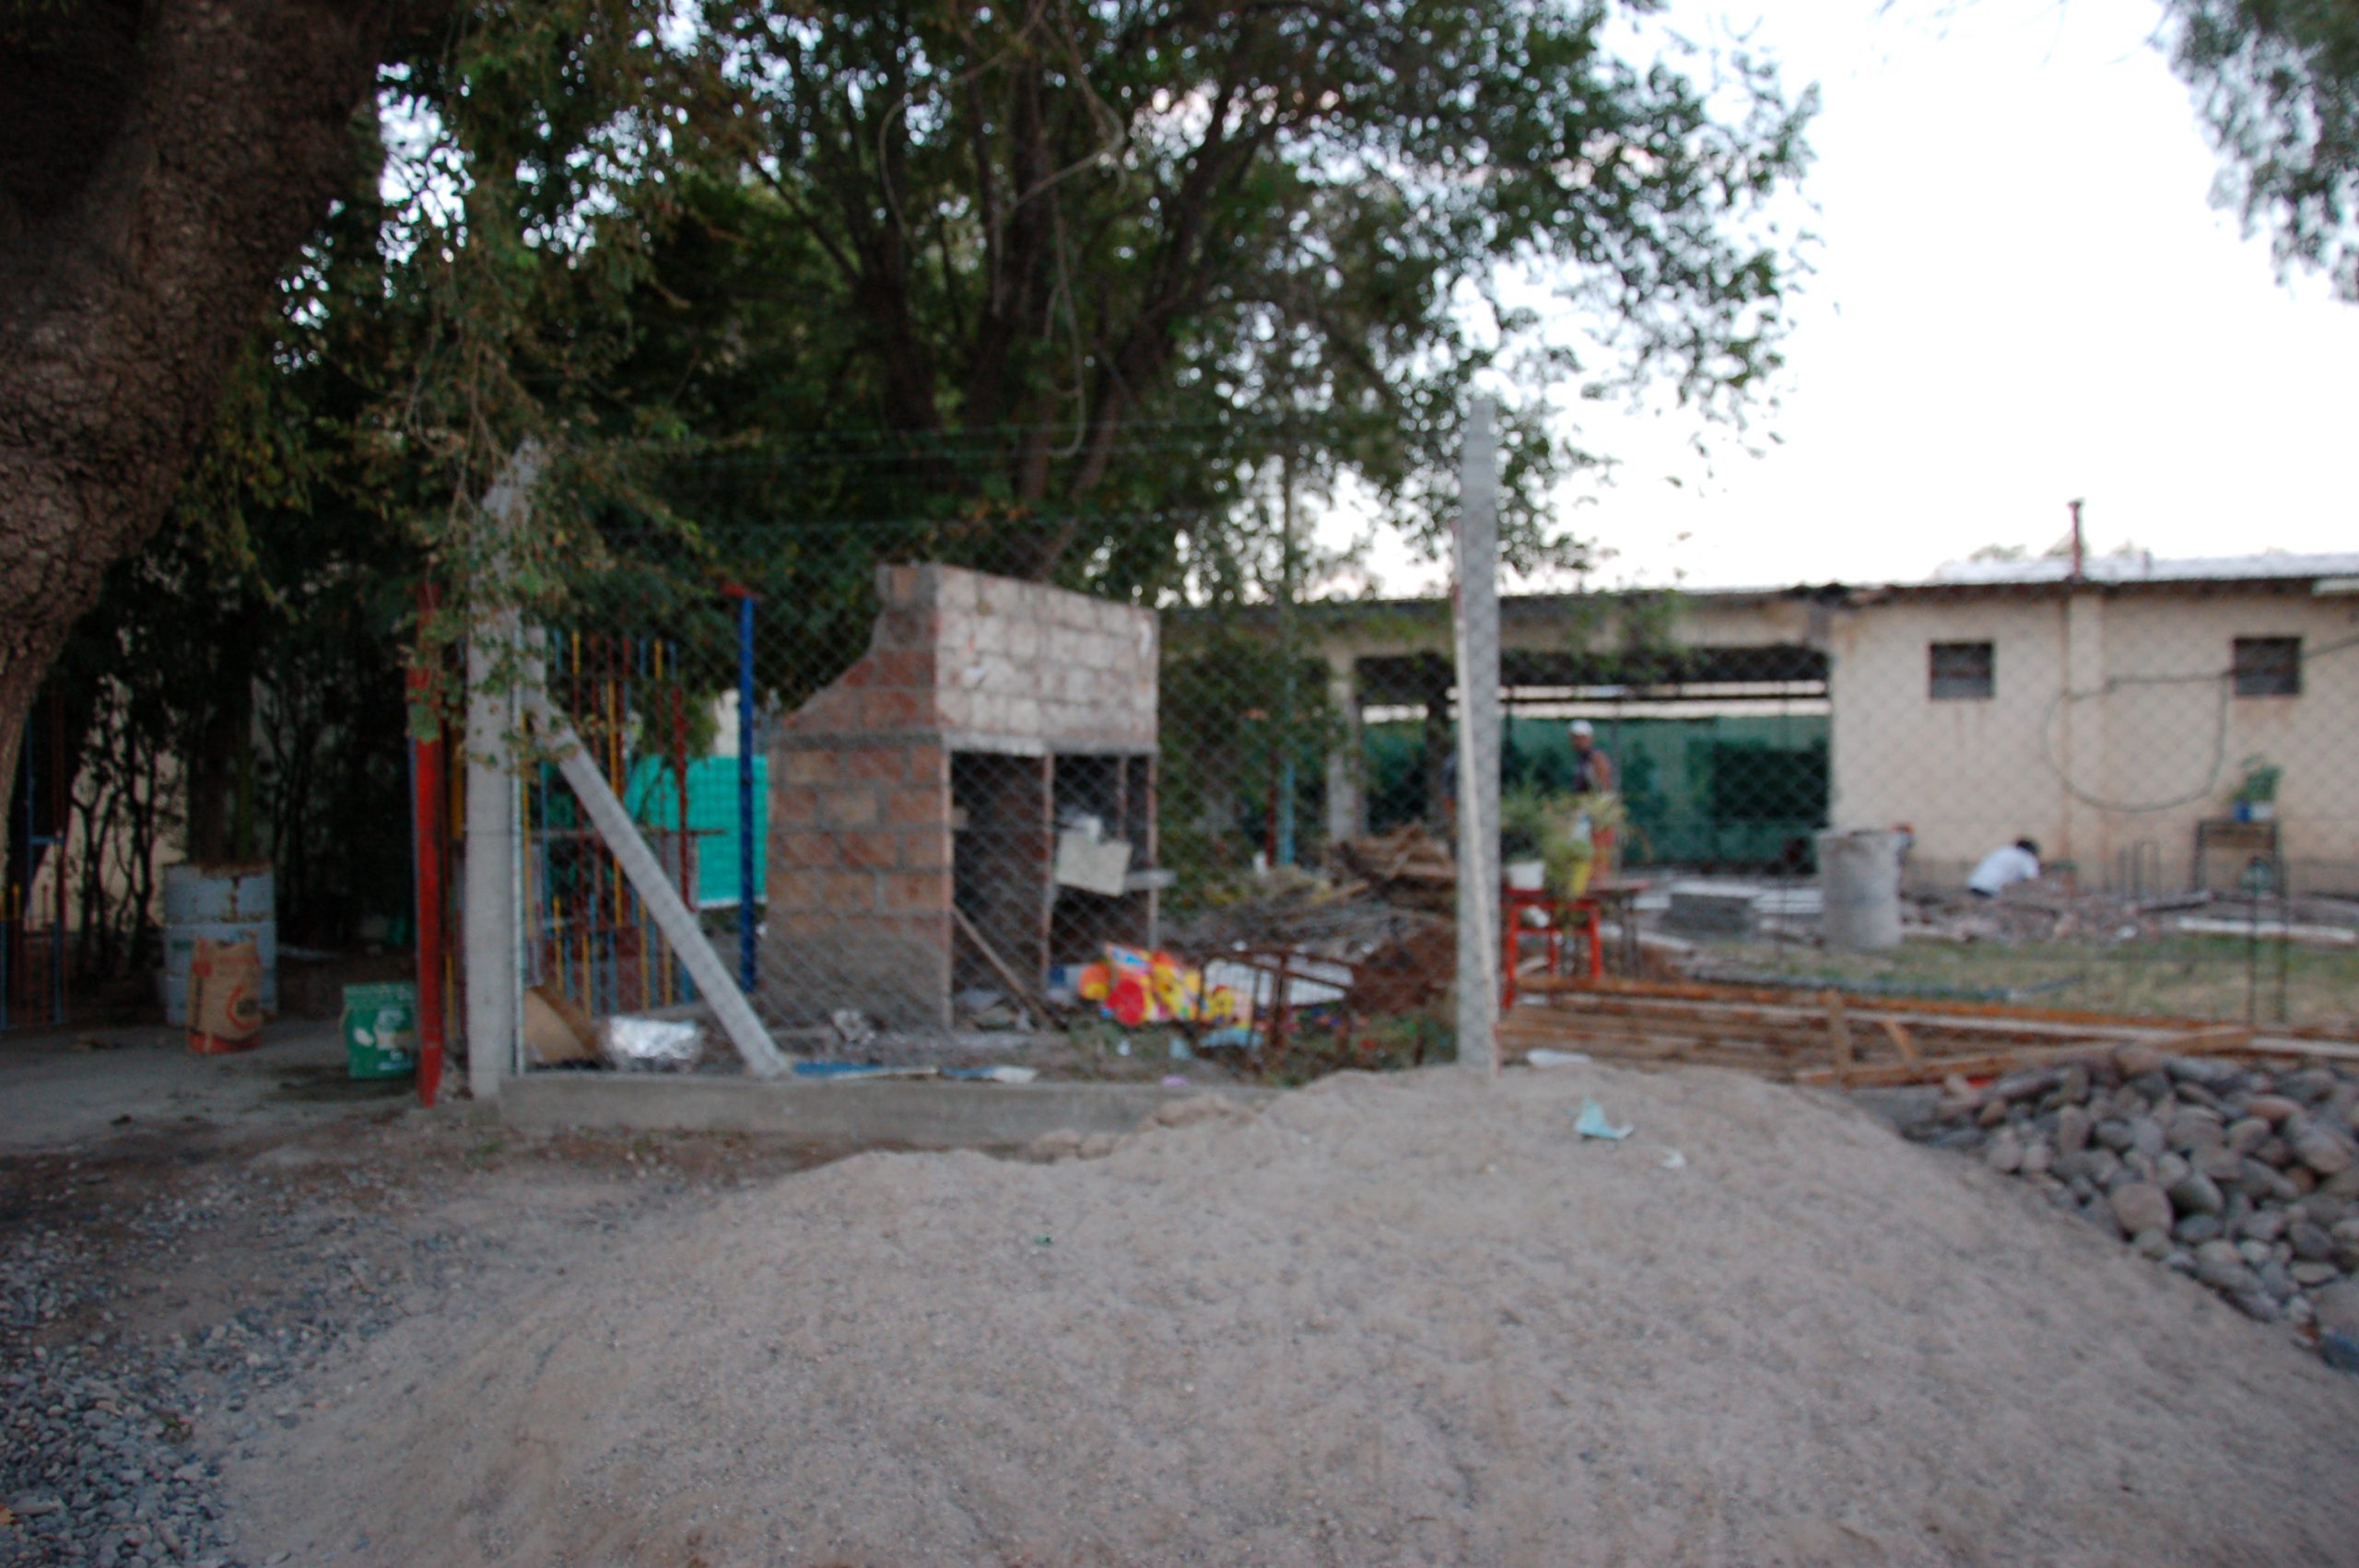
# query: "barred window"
[[2268, 666], [1962, 671]]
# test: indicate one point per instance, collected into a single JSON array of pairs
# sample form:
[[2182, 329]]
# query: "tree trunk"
[[162, 166]]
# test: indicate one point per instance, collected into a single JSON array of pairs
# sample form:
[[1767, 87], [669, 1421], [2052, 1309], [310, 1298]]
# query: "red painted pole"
[[428, 834]]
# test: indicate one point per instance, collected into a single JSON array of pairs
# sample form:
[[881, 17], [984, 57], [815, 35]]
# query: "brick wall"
[[860, 863]]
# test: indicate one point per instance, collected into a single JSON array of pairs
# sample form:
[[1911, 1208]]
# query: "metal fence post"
[[429, 791], [1475, 602], [746, 968]]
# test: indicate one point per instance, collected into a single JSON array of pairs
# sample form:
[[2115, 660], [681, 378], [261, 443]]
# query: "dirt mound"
[[1404, 1320]]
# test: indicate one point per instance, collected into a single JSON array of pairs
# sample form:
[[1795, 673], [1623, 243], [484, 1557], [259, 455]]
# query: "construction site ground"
[[274, 1316]]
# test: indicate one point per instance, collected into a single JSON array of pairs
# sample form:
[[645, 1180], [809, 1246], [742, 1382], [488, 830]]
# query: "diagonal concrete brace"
[[672, 916]]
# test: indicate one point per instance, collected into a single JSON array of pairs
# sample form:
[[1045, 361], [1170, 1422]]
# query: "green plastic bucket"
[[381, 1029]]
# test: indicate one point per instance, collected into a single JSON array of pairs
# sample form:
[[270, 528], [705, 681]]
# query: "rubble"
[[1407, 865]]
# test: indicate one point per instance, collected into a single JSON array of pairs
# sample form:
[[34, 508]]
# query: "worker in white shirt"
[[2002, 867]]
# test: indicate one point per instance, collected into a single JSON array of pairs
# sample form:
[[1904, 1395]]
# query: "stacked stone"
[[2242, 1179]]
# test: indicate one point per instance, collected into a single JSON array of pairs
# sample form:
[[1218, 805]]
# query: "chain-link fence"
[[978, 808]]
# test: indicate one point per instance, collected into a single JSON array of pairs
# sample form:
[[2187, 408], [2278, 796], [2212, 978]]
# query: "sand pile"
[[1403, 1320]]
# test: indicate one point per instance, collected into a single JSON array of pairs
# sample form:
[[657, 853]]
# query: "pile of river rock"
[[2244, 1178]]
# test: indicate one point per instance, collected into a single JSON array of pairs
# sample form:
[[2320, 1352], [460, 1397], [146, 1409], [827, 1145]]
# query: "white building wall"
[[2113, 729]]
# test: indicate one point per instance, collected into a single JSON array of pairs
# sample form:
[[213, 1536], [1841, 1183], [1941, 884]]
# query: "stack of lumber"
[[1407, 865], [1859, 1042]]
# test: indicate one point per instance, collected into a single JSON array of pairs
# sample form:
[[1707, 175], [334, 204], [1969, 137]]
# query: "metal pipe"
[[745, 945], [428, 834]]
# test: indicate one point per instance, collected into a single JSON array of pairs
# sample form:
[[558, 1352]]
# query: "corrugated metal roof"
[[2269, 566]]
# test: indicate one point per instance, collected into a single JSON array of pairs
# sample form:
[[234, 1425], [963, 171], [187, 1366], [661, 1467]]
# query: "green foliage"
[[1230, 719], [1072, 289], [1095, 266], [2277, 82]]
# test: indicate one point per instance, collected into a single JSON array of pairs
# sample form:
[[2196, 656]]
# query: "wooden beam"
[[1902, 1040], [1022, 992], [1838, 1036]]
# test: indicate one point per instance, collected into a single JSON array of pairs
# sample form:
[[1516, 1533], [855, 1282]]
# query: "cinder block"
[[924, 849], [957, 709], [882, 711], [880, 851], [899, 668], [953, 588], [876, 764], [850, 891], [831, 710], [853, 807], [795, 849], [917, 806], [809, 766], [907, 892], [908, 628], [796, 890], [927, 766]]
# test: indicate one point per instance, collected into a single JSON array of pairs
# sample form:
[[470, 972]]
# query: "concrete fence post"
[[1475, 625], [491, 927]]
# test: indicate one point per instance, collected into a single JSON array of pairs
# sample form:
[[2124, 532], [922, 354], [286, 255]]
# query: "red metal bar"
[[429, 838], [60, 820]]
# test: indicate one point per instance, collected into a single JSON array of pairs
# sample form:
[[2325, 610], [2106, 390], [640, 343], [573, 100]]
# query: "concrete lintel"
[[896, 1112], [957, 741], [1035, 745]]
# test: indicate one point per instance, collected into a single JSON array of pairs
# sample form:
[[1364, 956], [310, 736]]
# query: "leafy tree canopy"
[[1090, 266], [2277, 83]]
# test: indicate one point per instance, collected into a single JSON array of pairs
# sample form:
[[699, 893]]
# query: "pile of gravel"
[[96, 1461], [2242, 1179], [111, 1441]]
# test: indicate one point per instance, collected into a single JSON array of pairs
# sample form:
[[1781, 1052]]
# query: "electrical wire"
[[2224, 679]]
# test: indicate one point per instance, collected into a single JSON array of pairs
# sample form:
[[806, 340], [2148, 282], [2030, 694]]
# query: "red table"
[[1583, 916]]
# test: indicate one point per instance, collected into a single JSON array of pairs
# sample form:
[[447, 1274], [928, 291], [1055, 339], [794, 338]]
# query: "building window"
[[1961, 672], [2268, 666]]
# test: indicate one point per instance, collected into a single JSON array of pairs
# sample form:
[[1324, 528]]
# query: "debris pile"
[[1864, 1042], [1407, 865], [2244, 1178]]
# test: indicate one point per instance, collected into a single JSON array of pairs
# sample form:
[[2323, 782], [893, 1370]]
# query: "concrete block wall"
[[860, 864]]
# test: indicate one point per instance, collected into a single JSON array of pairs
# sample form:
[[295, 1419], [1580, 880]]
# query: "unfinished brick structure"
[[914, 803]]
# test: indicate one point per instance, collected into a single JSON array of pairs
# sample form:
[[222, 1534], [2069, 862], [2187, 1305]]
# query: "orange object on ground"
[[224, 997]]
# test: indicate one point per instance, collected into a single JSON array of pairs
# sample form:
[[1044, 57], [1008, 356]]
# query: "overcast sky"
[[2023, 295]]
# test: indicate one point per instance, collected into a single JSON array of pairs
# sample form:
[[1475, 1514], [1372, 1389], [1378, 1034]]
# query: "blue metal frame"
[[745, 917]]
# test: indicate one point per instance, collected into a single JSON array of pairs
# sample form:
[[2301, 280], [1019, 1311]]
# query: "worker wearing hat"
[[1593, 783], [1592, 769]]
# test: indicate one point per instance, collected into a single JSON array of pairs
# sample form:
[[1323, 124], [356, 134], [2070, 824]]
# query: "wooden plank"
[[1902, 1040], [2223, 1040], [2315, 1050], [1838, 1035], [1813, 1019], [1022, 992], [1914, 1009], [1933, 1069]]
